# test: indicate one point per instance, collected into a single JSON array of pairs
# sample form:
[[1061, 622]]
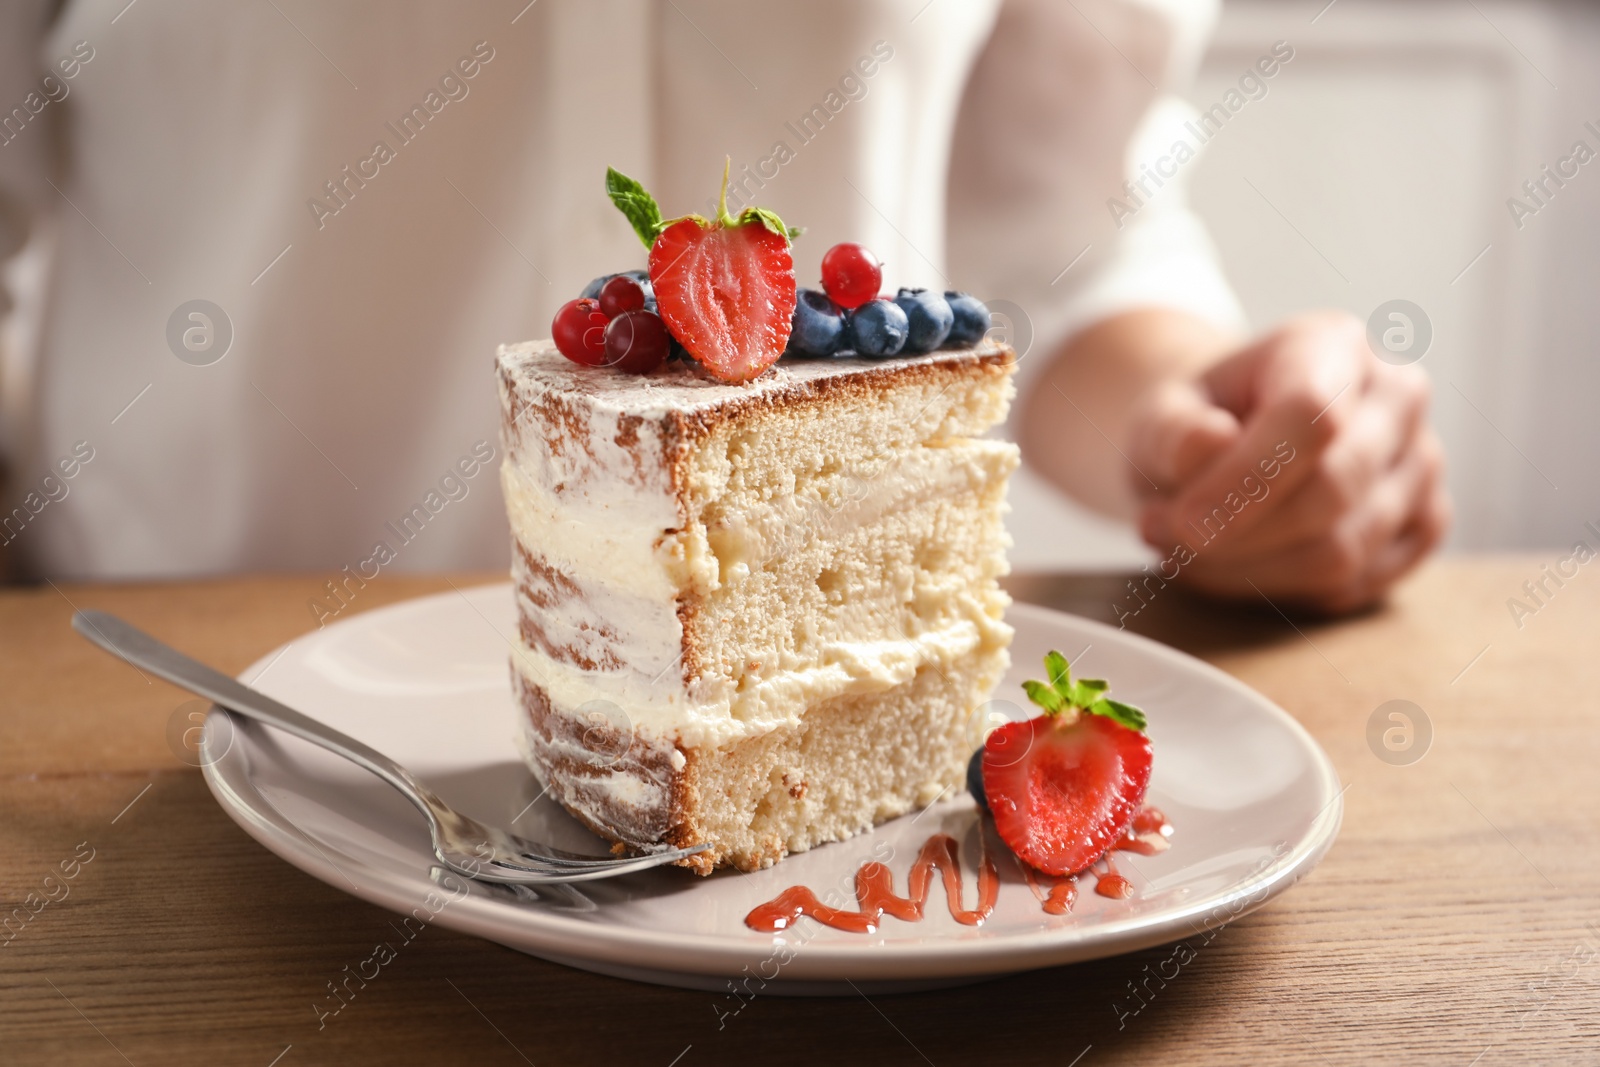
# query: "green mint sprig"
[[636, 204], [1086, 694]]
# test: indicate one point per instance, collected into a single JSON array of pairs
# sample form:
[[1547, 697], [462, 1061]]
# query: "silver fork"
[[464, 845]]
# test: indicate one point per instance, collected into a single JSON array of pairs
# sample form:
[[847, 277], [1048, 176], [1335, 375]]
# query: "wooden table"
[[1456, 920]]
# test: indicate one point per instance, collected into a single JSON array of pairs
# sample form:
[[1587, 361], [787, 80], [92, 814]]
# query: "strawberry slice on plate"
[[1066, 786], [725, 286]]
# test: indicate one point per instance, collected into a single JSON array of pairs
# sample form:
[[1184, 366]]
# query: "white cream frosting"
[[619, 546], [684, 386], [599, 793]]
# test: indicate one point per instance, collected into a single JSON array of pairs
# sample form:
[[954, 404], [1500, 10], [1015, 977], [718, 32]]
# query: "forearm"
[[1075, 418]]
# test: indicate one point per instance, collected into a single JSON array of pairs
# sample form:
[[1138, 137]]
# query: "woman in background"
[[360, 202]]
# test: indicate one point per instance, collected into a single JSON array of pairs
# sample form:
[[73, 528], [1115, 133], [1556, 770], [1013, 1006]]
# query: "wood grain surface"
[[1456, 920]]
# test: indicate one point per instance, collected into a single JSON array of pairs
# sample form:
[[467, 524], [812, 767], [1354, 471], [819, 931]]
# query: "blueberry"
[[971, 320], [877, 328], [930, 317], [818, 325], [975, 779]]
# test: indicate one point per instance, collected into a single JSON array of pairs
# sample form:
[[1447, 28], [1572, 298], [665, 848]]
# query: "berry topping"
[[877, 328], [724, 286], [818, 325], [971, 320], [636, 342], [1064, 787], [851, 274], [579, 332], [930, 317], [621, 294]]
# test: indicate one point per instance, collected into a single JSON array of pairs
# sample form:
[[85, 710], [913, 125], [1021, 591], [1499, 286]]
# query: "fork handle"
[[128, 642]]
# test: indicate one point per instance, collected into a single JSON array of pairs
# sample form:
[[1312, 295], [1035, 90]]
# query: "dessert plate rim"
[[821, 965]]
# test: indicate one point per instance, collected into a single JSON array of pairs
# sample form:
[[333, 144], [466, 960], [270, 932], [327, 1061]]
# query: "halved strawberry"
[[725, 286], [1065, 786], [727, 292]]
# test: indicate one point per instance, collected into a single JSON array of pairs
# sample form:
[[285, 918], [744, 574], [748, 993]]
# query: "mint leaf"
[[1058, 672], [637, 205], [1117, 711], [1044, 696]]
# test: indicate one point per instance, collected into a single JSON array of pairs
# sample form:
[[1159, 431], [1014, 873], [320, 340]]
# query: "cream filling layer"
[[625, 545], [782, 526], [667, 714]]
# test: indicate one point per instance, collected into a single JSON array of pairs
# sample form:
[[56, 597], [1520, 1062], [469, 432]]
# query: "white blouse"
[[375, 194]]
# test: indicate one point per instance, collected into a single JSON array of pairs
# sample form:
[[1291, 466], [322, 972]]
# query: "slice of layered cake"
[[764, 615]]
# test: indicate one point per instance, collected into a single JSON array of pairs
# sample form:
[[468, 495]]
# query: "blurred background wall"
[[1379, 167]]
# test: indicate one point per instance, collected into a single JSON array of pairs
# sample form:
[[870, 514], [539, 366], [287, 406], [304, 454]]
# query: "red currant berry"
[[851, 274], [637, 342], [579, 332], [620, 294]]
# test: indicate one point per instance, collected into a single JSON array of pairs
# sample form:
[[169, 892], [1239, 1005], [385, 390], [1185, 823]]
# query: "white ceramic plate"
[[1254, 802]]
